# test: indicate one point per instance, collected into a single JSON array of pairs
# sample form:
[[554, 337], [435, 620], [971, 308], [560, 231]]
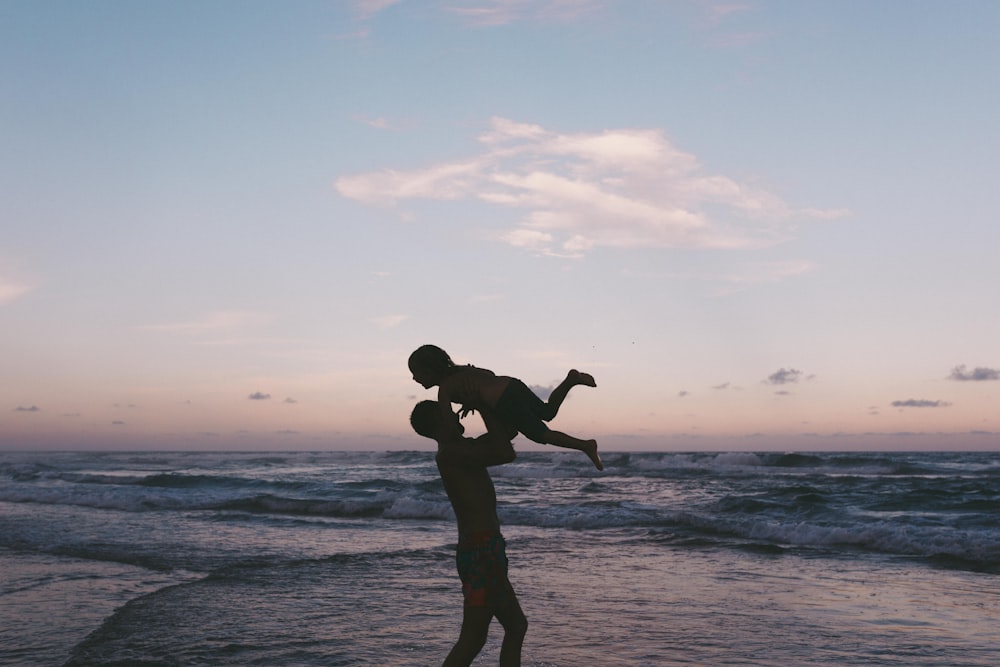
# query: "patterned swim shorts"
[[482, 567]]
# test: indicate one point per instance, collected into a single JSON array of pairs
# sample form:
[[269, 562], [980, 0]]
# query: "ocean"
[[347, 558]]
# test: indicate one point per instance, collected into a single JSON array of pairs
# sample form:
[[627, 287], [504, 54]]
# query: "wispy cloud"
[[379, 123], [920, 403], [389, 321], [366, 9], [10, 290], [717, 12], [212, 323], [488, 13], [727, 25], [978, 374], [33, 408], [622, 188], [504, 12], [762, 273]]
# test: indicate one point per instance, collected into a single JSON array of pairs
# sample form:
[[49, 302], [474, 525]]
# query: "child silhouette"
[[499, 396]]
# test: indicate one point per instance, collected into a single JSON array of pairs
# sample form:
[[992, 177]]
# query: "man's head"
[[427, 420]]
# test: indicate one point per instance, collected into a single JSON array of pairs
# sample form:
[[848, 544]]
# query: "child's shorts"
[[521, 408]]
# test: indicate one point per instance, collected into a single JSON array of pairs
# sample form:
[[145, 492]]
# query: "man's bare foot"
[[590, 449], [577, 377]]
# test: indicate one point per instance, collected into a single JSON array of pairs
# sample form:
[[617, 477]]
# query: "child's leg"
[[496, 425], [588, 447], [558, 395]]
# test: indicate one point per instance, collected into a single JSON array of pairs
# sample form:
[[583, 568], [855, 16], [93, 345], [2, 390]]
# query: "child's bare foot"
[[590, 449], [576, 377]]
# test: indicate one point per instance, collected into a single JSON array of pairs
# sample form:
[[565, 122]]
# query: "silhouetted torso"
[[471, 492]]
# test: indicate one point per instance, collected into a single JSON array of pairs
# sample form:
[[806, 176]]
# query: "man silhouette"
[[481, 553]]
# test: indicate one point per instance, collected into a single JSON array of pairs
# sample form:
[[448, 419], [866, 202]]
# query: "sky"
[[761, 225]]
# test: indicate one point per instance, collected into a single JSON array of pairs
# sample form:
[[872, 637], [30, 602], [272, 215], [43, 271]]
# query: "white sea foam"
[[415, 508]]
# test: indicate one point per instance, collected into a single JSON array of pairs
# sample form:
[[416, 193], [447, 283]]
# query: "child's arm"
[[445, 398]]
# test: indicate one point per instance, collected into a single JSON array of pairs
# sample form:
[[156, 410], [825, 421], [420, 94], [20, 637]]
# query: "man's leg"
[[475, 625], [515, 626]]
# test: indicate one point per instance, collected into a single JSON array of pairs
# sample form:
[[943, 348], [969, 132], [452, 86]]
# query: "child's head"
[[429, 365]]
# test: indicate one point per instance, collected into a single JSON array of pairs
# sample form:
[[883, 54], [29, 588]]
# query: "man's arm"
[[486, 450], [497, 426]]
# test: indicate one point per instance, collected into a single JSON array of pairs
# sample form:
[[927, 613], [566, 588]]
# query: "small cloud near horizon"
[[542, 392], [259, 396], [785, 376], [33, 408], [978, 374], [920, 403]]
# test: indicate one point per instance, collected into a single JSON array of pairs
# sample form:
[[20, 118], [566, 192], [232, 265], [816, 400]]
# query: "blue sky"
[[760, 225]]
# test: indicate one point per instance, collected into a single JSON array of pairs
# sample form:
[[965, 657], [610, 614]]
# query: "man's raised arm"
[[489, 449]]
